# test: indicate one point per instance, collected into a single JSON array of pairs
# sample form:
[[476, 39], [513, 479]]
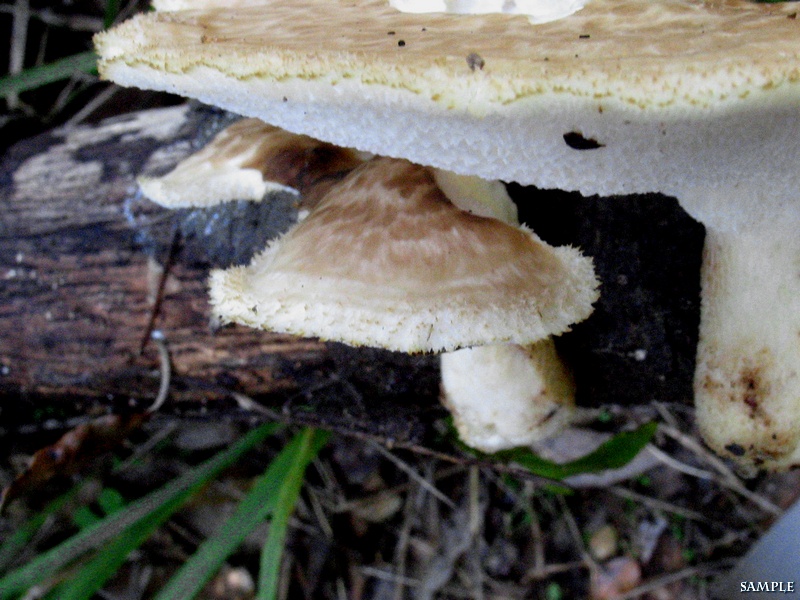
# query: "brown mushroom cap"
[[247, 160], [386, 260]]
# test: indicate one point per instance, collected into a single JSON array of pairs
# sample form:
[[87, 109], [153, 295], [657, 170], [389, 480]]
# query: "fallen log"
[[88, 268]]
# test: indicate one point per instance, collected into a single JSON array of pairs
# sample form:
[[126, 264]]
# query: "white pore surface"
[[729, 165], [538, 11]]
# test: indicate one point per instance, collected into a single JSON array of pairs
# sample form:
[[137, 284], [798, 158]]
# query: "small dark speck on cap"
[[475, 61], [401, 43], [577, 141], [735, 449], [584, 36], [390, 33]]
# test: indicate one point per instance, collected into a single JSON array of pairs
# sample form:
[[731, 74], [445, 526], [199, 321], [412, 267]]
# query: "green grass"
[[36, 77], [612, 454], [97, 551]]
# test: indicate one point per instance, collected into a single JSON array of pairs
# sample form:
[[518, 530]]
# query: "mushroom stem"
[[747, 381], [502, 395], [507, 395]]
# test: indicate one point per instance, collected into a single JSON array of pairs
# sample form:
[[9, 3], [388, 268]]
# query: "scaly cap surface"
[[386, 260]]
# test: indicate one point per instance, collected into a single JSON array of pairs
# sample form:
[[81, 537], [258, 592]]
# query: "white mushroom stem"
[[502, 395], [747, 382], [507, 395]]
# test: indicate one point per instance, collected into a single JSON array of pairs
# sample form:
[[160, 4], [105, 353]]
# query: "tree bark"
[[87, 266]]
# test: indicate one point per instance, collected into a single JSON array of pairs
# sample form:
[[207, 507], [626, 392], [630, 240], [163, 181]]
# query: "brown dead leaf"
[[73, 452]]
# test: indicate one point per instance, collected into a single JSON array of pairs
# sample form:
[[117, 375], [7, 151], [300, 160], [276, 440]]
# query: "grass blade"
[[173, 494], [35, 77], [612, 454], [259, 503], [301, 451], [14, 544]]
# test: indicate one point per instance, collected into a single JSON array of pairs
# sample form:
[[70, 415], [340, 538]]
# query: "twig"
[[401, 548], [679, 466], [547, 571], [250, 405], [389, 576], [319, 513], [349, 505], [92, 105], [403, 466], [659, 504], [475, 512], [166, 371], [576, 534], [476, 523], [147, 446], [669, 578], [727, 477], [19, 41]]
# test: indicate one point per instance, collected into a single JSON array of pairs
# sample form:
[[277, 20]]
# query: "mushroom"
[[697, 100], [502, 395], [386, 260], [247, 161], [445, 268]]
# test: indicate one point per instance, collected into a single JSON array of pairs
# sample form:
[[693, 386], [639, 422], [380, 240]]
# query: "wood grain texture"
[[81, 256]]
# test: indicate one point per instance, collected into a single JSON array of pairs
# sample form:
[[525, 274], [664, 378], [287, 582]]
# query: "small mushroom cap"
[[248, 160], [386, 260]]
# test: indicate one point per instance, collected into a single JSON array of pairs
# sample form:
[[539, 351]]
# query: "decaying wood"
[[87, 266], [82, 257]]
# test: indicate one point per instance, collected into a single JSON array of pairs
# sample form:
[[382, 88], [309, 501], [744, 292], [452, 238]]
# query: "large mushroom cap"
[[386, 260], [614, 76]]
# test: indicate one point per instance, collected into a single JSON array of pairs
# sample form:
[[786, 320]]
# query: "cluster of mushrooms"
[[410, 241]]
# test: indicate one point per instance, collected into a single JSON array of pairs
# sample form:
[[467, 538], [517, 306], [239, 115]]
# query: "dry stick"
[[659, 504], [555, 569], [728, 478], [539, 563], [19, 40], [348, 505], [48, 17], [341, 590], [285, 577], [401, 548], [680, 466], [92, 105], [669, 578], [475, 526], [147, 446], [319, 513], [403, 466], [388, 576], [250, 405], [166, 372], [576, 535]]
